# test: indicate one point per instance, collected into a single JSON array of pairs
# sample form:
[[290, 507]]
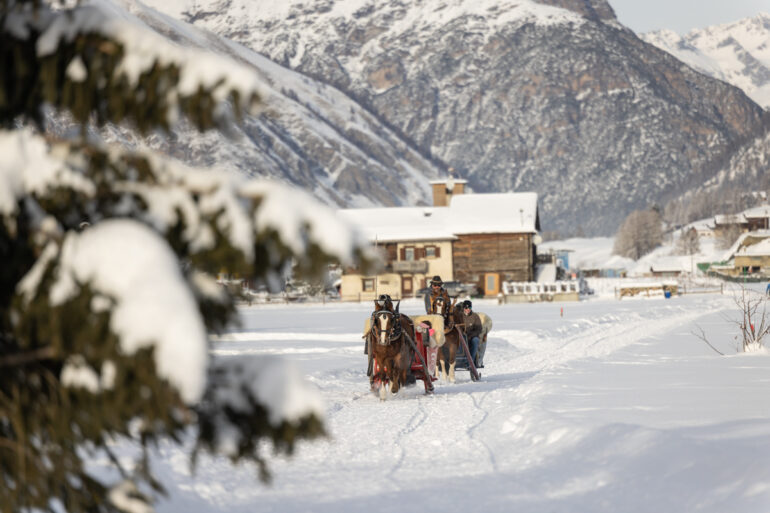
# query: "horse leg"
[[379, 378], [400, 368], [383, 375], [393, 377], [443, 353], [452, 362]]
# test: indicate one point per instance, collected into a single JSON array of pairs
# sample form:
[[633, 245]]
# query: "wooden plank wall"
[[510, 254]]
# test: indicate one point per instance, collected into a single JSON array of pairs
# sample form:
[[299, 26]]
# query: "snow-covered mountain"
[[748, 168], [310, 134], [551, 96], [738, 53]]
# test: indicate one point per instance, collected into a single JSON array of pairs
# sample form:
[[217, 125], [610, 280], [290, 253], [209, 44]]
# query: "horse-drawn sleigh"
[[402, 347]]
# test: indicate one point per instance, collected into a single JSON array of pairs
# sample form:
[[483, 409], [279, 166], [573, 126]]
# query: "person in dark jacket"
[[384, 302], [436, 290], [472, 328]]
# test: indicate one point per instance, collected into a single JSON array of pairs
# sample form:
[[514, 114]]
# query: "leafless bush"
[[753, 324], [728, 236], [640, 233], [688, 242]]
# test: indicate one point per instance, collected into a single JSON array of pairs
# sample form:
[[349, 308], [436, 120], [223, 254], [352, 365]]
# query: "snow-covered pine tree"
[[107, 259]]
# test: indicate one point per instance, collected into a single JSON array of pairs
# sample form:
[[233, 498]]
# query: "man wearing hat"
[[436, 290], [472, 327]]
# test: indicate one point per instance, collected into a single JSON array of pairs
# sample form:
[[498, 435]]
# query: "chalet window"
[[367, 284], [432, 252], [412, 253]]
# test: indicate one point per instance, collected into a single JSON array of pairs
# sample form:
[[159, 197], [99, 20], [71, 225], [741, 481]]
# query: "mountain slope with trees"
[[309, 134], [517, 96]]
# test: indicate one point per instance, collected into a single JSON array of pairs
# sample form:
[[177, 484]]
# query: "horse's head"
[[383, 326], [457, 313], [440, 306]]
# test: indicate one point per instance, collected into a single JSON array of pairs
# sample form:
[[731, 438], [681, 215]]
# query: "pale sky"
[[684, 15]]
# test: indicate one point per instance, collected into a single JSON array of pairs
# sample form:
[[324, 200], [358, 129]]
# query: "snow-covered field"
[[615, 406]]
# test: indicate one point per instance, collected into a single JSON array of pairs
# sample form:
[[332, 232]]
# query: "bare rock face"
[[551, 96], [310, 134], [385, 75], [595, 10]]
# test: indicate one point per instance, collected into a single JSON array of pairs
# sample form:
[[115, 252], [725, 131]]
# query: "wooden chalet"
[[757, 218], [724, 224], [483, 239]]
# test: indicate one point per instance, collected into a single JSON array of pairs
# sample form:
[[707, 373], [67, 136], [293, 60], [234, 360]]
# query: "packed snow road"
[[614, 406]]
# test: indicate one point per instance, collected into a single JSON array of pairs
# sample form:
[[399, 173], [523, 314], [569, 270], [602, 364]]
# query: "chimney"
[[443, 190]]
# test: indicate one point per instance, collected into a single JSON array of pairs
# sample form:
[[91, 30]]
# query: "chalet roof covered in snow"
[[740, 245], [730, 219], [400, 223], [761, 248], [673, 264], [466, 214], [757, 212], [494, 213]]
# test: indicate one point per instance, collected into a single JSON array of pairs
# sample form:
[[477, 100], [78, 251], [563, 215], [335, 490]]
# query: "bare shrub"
[[753, 325], [640, 233], [688, 242]]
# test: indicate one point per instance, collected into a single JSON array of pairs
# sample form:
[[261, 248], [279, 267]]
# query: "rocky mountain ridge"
[[516, 95], [309, 134], [738, 53]]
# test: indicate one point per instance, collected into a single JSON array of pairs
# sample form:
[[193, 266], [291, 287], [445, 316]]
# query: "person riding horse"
[[436, 291]]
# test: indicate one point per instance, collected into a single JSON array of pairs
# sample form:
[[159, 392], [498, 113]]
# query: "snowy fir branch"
[[107, 288]]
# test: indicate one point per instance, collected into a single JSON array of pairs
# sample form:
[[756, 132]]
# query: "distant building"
[[724, 224], [757, 218], [748, 257], [671, 267], [483, 239]]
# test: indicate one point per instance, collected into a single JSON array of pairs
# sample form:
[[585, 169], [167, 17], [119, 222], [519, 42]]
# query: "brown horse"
[[448, 352], [392, 352]]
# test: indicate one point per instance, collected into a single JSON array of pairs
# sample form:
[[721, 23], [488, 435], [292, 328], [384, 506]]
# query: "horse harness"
[[448, 319], [394, 331]]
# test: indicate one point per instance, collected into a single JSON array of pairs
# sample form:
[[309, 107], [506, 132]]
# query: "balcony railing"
[[410, 266]]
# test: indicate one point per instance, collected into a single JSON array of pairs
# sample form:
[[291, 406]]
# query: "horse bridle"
[[448, 319], [393, 332]]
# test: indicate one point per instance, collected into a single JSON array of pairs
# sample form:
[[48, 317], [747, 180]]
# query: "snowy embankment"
[[614, 406]]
